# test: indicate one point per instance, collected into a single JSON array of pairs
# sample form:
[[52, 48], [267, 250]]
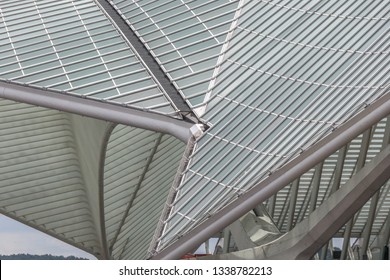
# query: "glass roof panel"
[[68, 45], [179, 33], [293, 71]]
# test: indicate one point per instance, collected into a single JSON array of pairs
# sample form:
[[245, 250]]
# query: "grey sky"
[[17, 238]]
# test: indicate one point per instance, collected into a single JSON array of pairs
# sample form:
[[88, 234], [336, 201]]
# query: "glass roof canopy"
[[72, 46], [188, 38], [267, 79], [292, 72]]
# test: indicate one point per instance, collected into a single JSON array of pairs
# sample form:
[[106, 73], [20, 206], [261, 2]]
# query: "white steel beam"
[[97, 109], [226, 240], [339, 169], [359, 165], [280, 178], [293, 201], [333, 213], [315, 186], [324, 251], [271, 205], [383, 238], [347, 238], [310, 235], [144, 54], [370, 222]]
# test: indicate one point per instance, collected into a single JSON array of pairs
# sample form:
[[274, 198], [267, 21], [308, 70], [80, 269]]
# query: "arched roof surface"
[[292, 72], [267, 79], [72, 46]]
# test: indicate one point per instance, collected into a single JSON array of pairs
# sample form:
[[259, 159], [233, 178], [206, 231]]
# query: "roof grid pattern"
[[273, 98], [73, 47], [269, 77], [327, 184], [187, 38], [41, 182], [139, 169]]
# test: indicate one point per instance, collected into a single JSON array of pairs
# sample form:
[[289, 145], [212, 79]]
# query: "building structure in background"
[[141, 129]]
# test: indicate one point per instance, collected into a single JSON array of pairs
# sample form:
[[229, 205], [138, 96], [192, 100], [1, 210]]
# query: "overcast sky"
[[17, 238]]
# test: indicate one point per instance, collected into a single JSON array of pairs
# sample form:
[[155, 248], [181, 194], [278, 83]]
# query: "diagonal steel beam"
[[385, 232], [282, 177], [293, 201], [310, 235], [370, 221], [338, 169], [359, 165], [144, 54], [316, 186]]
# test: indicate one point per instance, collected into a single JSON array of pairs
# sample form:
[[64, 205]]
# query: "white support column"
[[293, 200], [370, 221], [347, 238], [207, 246], [240, 236], [279, 179], [306, 238], [368, 180], [384, 237], [350, 253], [315, 186], [359, 165], [324, 251], [363, 150], [226, 240], [339, 169], [271, 205], [313, 200]]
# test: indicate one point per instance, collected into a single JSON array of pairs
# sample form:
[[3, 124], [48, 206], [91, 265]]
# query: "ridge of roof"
[[144, 54]]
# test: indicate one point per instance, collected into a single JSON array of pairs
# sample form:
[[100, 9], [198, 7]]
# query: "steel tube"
[[282, 177], [96, 109]]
